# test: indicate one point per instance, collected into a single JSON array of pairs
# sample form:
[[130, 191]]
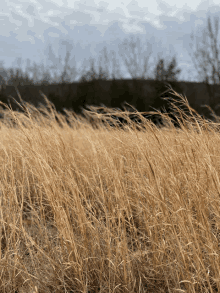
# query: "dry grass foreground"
[[100, 210]]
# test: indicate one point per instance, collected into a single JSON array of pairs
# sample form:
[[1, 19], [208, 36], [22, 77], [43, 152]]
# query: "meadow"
[[108, 210]]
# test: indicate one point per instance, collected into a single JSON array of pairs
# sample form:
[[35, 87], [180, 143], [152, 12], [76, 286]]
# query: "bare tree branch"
[[115, 70], [92, 75], [104, 71], [206, 58], [167, 74], [132, 63], [69, 73]]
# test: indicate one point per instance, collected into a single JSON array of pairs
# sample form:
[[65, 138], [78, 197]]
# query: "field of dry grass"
[[100, 210]]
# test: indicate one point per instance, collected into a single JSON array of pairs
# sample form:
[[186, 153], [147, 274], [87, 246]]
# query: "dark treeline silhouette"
[[89, 92], [120, 94]]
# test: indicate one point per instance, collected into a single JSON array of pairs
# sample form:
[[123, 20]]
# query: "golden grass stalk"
[[106, 210]]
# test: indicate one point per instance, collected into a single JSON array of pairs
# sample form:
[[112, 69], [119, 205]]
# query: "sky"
[[44, 31]]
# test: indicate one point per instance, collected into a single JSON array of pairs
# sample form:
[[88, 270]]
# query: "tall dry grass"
[[107, 210]]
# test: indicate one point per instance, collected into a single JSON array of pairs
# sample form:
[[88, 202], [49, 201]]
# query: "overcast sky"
[[85, 27]]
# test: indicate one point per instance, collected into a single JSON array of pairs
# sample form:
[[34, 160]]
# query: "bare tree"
[[169, 74], [92, 75], [34, 69], [4, 74], [69, 73], [206, 59], [108, 59], [137, 62]]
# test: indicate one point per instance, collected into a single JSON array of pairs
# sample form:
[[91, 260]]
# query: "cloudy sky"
[[41, 31]]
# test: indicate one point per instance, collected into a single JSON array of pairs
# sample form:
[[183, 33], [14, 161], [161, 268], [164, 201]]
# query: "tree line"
[[89, 93]]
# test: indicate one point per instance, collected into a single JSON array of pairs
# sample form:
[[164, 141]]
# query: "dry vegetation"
[[100, 210]]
